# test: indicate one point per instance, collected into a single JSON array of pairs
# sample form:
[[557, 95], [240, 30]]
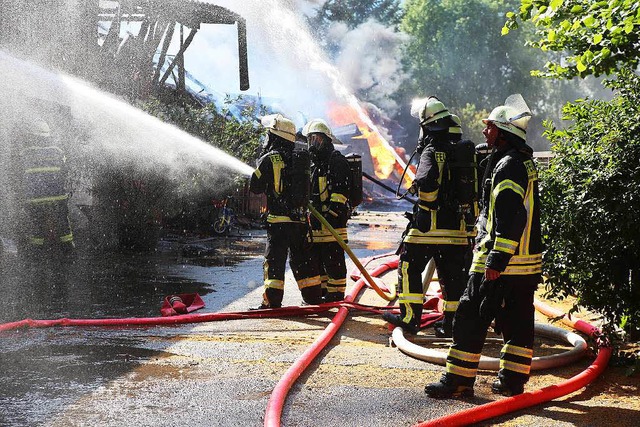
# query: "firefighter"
[[39, 177], [507, 263], [436, 228], [287, 227], [330, 188]]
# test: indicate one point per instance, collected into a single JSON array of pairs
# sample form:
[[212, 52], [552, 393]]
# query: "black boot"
[[498, 387], [333, 296], [449, 387], [442, 330], [396, 320]]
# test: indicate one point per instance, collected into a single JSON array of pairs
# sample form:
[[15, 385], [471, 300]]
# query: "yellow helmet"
[[428, 109], [512, 117], [38, 127], [317, 126], [280, 125]]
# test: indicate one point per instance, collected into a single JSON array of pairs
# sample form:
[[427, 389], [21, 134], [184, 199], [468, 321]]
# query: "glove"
[[338, 214], [492, 294]]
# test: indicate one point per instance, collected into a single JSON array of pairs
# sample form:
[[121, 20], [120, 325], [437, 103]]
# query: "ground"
[[223, 373]]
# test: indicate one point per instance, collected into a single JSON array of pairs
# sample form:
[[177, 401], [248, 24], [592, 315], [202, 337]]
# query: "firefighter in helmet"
[[287, 227], [39, 177], [436, 228], [330, 185], [507, 262]]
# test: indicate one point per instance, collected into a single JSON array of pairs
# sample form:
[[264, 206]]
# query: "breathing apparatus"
[[434, 117], [314, 131]]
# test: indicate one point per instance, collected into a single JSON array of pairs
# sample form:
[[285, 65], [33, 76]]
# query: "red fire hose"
[[511, 404], [279, 393]]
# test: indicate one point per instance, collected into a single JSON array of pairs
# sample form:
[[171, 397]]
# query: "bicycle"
[[226, 218]]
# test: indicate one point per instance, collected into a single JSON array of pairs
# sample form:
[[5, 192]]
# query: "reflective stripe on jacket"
[[509, 235]]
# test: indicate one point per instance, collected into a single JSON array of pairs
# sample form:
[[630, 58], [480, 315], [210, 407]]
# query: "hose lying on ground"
[[493, 363]]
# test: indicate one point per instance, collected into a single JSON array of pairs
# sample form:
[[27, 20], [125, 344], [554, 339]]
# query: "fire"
[[387, 163]]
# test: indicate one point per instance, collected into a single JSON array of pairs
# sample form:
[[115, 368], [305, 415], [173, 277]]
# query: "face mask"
[[314, 141]]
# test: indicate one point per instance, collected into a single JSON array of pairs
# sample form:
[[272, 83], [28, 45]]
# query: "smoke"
[[288, 67], [368, 60]]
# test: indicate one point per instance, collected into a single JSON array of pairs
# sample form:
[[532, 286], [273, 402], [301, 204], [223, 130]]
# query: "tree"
[[594, 37], [457, 52], [590, 195], [590, 192], [355, 12]]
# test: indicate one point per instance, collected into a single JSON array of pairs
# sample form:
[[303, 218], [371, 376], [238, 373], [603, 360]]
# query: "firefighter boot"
[[444, 328], [500, 387], [413, 327], [450, 386], [266, 304], [333, 296]]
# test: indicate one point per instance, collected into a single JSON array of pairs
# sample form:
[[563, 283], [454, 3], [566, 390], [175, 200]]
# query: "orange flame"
[[387, 162]]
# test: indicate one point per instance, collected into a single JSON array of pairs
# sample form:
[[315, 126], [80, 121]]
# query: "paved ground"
[[222, 373]]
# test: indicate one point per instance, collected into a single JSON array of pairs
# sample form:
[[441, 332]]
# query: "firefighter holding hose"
[[282, 174], [436, 228], [330, 189], [507, 262]]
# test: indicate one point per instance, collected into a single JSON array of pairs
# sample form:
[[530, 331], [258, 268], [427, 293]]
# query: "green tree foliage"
[[239, 137], [594, 37], [355, 12], [457, 52], [591, 190], [591, 195]]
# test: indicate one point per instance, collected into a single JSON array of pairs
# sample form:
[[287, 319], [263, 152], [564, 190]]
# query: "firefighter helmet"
[[280, 125], [428, 110], [512, 117], [455, 128], [317, 126], [38, 127]]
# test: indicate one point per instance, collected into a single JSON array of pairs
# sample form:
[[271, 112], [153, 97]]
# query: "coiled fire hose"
[[392, 293]]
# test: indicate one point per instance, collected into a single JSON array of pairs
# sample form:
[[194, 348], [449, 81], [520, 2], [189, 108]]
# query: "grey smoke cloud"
[[287, 65], [368, 60]]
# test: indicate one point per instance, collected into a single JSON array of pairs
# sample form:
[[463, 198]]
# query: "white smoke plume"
[[287, 66], [368, 60]]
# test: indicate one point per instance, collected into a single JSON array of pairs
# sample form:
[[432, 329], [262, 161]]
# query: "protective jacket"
[[44, 196], [331, 181], [436, 219], [269, 178], [509, 237]]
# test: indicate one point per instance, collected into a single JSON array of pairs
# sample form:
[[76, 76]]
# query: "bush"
[[591, 196]]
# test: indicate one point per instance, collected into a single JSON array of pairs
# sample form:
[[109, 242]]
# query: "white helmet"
[[512, 117], [280, 125], [317, 126], [38, 127], [428, 109]]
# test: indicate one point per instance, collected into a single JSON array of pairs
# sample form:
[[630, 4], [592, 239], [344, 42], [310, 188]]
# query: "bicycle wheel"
[[220, 226]]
